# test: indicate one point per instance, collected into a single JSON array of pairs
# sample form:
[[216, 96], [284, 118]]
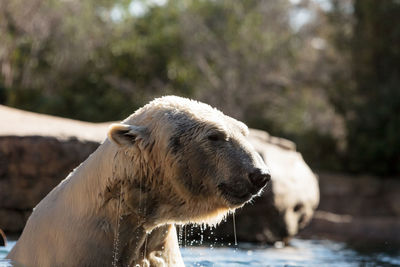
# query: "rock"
[[13, 220], [357, 209], [30, 166], [36, 153], [353, 229], [17, 122]]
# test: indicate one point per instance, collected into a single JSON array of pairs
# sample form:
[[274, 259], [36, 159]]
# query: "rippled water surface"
[[299, 253]]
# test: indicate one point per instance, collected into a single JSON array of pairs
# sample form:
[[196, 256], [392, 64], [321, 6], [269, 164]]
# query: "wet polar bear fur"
[[173, 161]]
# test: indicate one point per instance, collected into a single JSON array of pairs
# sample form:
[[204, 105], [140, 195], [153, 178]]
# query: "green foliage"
[[319, 149], [372, 102], [330, 82], [87, 66]]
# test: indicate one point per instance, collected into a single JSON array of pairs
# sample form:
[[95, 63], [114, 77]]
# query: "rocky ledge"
[[38, 151], [357, 210]]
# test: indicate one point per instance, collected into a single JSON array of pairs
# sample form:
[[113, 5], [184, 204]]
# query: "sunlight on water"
[[300, 253], [3, 253]]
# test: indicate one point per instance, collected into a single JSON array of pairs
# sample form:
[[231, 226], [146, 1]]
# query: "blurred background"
[[324, 74]]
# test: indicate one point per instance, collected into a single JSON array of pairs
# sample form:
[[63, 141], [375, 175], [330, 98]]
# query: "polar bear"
[[173, 161]]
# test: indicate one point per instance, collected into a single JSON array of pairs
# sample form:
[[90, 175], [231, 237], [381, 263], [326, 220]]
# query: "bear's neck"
[[118, 187], [100, 183], [115, 211]]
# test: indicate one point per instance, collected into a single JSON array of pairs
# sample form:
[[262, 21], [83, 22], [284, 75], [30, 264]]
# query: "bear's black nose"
[[259, 178]]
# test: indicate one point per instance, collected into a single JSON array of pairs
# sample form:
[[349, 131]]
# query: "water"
[[299, 253], [4, 251], [116, 236]]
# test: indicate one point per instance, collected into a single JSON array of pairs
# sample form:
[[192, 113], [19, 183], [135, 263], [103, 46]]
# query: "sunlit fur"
[[156, 168]]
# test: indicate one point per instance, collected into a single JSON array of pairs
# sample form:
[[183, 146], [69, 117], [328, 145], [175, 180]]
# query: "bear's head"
[[192, 162]]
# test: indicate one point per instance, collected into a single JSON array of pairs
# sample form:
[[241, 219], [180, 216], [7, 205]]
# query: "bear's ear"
[[124, 134]]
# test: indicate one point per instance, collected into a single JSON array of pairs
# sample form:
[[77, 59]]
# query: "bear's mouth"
[[235, 195]]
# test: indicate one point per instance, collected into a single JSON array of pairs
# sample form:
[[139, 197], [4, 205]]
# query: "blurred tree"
[[100, 60], [367, 93], [324, 76], [241, 52], [373, 119], [77, 60], [47, 46], [74, 59]]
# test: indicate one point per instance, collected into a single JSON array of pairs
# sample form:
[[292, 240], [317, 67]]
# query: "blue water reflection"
[[299, 253]]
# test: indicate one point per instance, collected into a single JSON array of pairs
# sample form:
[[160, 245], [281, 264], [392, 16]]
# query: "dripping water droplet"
[[116, 235], [234, 227]]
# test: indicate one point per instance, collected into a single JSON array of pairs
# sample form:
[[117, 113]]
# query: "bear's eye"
[[216, 137]]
